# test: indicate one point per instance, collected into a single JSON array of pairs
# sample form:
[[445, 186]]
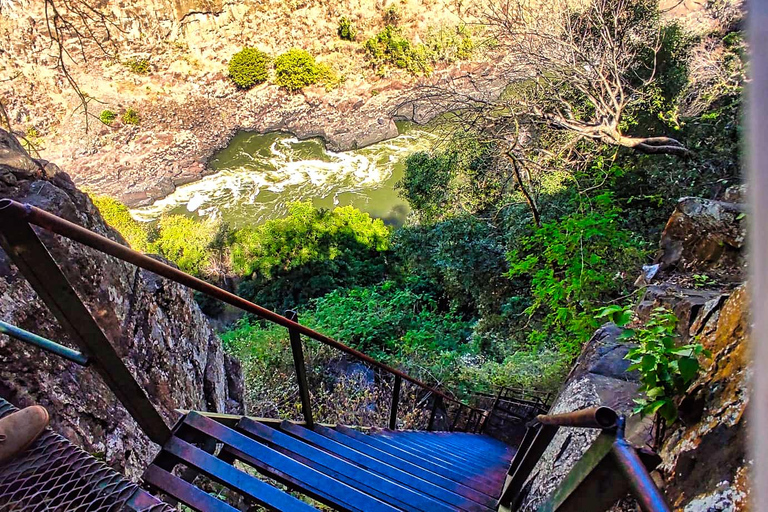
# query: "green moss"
[[249, 67], [295, 69]]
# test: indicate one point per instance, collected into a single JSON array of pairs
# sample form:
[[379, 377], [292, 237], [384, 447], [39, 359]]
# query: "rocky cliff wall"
[[155, 325], [704, 462]]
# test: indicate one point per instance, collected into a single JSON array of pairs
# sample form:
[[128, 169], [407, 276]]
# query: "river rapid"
[[258, 175]]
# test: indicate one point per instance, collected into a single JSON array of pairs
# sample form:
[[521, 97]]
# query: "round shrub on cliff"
[[295, 69], [346, 30], [248, 67]]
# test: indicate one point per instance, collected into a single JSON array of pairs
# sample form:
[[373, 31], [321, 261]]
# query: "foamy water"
[[258, 175]]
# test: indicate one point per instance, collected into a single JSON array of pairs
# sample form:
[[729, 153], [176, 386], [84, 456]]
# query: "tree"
[[583, 69], [572, 79]]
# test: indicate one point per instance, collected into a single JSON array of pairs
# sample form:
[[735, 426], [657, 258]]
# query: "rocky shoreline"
[[180, 132]]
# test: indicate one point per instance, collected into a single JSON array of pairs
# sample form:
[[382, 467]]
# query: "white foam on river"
[[258, 175]]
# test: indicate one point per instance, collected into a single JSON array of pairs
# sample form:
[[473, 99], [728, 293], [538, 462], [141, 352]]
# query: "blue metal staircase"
[[342, 468]]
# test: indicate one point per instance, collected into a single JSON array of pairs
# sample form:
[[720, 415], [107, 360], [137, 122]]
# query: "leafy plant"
[[391, 48], [107, 117], [666, 370], [295, 69], [574, 264], [346, 30], [249, 67], [701, 280], [131, 116], [137, 65]]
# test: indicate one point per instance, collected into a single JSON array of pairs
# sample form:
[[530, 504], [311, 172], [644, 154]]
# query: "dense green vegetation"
[[390, 48], [249, 67]]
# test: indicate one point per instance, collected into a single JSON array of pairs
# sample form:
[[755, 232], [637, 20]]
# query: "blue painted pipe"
[[45, 344]]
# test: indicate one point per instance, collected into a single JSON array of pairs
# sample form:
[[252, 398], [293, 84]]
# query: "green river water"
[[258, 175]]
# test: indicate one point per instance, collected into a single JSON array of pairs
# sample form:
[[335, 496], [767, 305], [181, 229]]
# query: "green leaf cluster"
[[249, 67], [131, 116], [107, 117], [666, 369]]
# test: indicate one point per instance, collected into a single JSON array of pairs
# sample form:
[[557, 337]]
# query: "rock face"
[[704, 456], [704, 464], [703, 235], [156, 327]]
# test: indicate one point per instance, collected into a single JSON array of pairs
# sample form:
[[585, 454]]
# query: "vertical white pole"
[[757, 160]]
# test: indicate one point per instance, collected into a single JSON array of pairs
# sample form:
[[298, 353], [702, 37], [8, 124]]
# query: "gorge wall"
[[704, 461], [155, 326]]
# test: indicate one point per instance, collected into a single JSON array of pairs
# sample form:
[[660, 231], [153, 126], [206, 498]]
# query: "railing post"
[[435, 403], [491, 411], [521, 468], [28, 253], [301, 372], [456, 418], [395, 403]]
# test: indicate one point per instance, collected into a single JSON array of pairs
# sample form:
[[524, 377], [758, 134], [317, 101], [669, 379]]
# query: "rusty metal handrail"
[[50, 222], [592, 417]]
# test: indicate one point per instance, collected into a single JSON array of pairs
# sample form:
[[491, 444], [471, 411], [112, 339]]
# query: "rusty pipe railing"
[[592, 417], [648, 496], [10, 209]]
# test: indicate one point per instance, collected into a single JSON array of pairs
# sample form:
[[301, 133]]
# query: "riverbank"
[[179, 132]]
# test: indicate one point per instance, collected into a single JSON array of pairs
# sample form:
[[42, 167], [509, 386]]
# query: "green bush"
[[140, 66], [346, 30], [130, 116], [309, 253], [186, 242], [386, 320], [295, 69], [107, 117], [116, 214], [249, 67], [390, 48]]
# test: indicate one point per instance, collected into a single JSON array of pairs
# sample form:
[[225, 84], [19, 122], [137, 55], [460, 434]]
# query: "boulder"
[[703, 235], [598, 377]]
